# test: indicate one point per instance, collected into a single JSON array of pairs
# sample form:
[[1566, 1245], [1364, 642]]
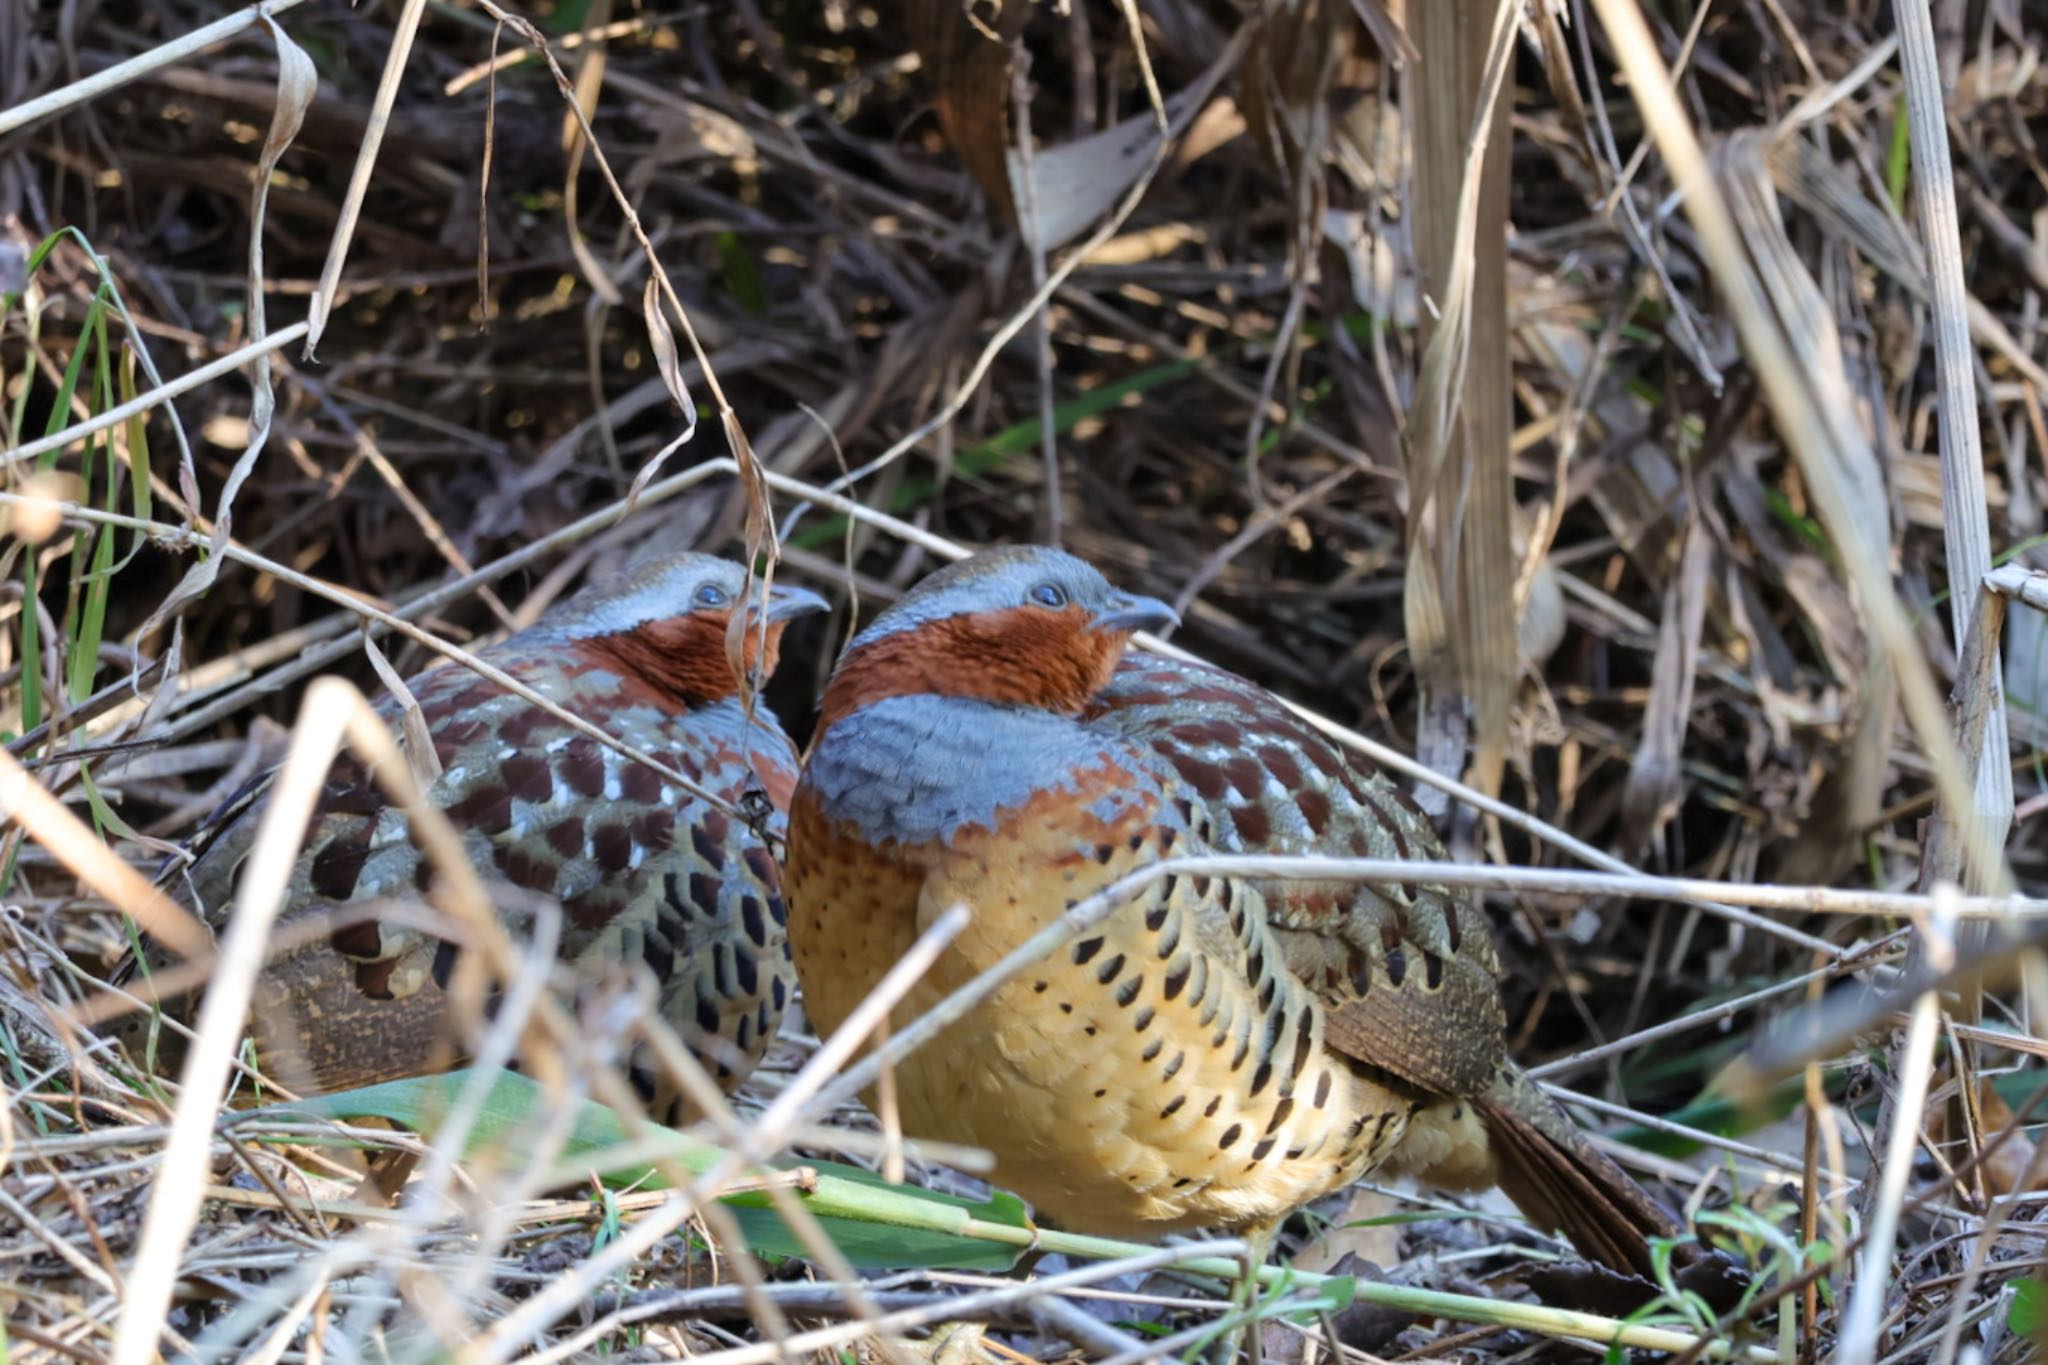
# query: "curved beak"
[[1131, 612], [785, 603]]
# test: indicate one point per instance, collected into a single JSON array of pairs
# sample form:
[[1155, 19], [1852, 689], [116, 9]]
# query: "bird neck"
[[1022, 656], [683, 659]]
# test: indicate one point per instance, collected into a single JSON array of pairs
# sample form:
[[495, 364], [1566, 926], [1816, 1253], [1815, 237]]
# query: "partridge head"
[[1214, 1053], [645, 870]]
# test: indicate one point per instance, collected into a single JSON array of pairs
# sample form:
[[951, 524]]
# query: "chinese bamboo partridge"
[[1213, 1054], [643, 871]]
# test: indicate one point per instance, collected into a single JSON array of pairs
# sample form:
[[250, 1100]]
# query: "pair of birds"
[[1214, 1054]]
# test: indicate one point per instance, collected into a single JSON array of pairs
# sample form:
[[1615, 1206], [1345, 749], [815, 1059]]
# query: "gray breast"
[[918, 769]]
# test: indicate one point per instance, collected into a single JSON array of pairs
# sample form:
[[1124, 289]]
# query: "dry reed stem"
[[156, 58], [1873, 1283], [1806, 431]]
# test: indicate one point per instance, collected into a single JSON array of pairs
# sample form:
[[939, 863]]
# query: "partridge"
[[1214, 1054], [644, 870]]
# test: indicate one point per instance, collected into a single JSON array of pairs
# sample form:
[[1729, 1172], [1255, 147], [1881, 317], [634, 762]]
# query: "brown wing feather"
[[643, 873], [1406, 972]]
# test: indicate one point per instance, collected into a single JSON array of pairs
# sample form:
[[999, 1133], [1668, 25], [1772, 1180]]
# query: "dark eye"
[[1049, 595], [711, 595]]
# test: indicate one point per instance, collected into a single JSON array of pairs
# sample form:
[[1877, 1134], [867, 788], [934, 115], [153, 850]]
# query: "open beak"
[[785, 603], [1137, 613]]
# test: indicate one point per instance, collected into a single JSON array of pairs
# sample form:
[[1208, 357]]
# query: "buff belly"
[[1114, 1108]]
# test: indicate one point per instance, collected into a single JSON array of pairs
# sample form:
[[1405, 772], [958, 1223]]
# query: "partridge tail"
[[1562, 1182]]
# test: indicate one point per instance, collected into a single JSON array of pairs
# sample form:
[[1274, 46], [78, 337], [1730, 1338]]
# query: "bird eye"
[[711, 595], [1049, 595]]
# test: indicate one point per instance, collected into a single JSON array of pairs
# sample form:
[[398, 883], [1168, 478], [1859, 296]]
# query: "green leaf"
[[1397, 1220], [31, 647], [138, 452], [874, 1224], [1898, 160], [1717, 1115], [879, 1225], [2028, 1315]]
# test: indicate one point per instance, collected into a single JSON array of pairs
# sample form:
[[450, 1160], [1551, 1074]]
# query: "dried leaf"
[[1460, 514], [297, 83], [420, 754], [1655, 787], [967, 60], [662, 337]]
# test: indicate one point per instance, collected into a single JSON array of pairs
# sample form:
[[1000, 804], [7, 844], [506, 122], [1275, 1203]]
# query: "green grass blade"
[[878, 1225]]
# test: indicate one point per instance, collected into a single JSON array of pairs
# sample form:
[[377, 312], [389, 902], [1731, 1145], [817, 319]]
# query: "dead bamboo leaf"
[[297, 83], [967, 61], [1461, 563], [1655, 780], [420, 754]]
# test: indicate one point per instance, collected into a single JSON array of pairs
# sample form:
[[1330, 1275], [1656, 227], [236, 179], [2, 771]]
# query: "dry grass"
[[1775, 402]]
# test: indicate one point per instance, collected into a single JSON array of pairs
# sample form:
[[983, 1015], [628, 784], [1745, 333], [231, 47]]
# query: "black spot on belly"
[[1110, 969], [1304, 1038], [1176, 978], [659, 956], [1128, 991], [751, 920], [1169, 942], [1173, 1106], [1086, 949], [1230, 1136]]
